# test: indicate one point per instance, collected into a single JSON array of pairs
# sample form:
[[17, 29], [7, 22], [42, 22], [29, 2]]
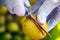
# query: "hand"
[[45, 15], [46, 9], [17, 6], [53, 18]]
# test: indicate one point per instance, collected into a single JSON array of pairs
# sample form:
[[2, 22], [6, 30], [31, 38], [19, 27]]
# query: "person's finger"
[[15, 7], [10, 5], [27, 3], [19, 8], [45, 10], [53, 18]]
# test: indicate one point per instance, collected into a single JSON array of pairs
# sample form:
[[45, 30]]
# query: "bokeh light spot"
[[58, 26], [58, 38]]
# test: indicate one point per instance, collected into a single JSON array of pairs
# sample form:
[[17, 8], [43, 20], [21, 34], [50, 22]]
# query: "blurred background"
[[10, 27]]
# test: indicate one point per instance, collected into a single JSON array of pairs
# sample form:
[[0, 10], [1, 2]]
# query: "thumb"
[[19, 8]]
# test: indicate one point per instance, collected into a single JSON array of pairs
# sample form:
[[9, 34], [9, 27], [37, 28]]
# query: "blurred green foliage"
[[7, 34], [55, 33]]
